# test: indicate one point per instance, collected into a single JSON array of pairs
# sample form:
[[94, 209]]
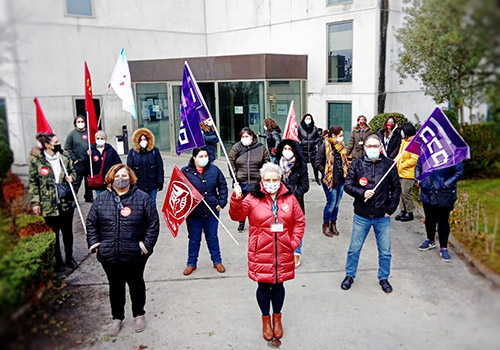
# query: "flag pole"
[[102, 107], [74, 194], [225, 228], [88, 140], [225, 153]]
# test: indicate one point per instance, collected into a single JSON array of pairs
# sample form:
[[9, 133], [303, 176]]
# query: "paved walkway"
[[434, 304]]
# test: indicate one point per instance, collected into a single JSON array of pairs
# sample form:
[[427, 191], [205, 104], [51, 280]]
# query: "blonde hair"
[[110, 176]]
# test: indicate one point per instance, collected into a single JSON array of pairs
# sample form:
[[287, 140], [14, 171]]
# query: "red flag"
[[89, 107], [180, 201], [42, 125], [291, 131]]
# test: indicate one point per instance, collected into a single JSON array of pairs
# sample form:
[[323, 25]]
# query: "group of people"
[[269, 188]]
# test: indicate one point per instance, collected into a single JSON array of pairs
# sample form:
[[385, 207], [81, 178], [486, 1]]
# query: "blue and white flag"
[[193, 111], [121, 82]]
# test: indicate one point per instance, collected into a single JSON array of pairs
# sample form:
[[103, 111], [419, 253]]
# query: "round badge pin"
[[363, 181], [84, 136], [96, 158], [44, 171], [126, 211]]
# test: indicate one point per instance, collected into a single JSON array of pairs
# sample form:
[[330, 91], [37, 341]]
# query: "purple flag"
[[193, 111], [438, 144]]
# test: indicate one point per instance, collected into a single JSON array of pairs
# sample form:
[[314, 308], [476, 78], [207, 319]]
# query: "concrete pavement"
[[434, 304]]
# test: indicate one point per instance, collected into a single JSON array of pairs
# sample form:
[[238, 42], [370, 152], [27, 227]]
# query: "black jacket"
[[386, 197], [211, 184], [338, 171], [118, 232], [440, 187], [211, 140], [273, 138], [247, 161], [111, 159], [148, 167], [298, 179], [309, 139], [392, 148]]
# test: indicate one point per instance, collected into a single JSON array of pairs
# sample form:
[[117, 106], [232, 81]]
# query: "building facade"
[[251, 58]]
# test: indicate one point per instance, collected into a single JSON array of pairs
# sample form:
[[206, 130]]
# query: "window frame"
[[338, 3], [328, 51], [67, 14]]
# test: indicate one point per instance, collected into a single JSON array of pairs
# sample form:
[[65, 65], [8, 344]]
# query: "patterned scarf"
[[330, 160], [286, 166]]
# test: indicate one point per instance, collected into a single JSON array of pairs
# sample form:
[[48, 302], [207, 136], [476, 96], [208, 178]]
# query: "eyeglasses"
[[118, 203], [372, 146]]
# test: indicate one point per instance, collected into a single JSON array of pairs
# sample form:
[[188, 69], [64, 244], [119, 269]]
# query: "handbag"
[[63, 191], [97, 181]]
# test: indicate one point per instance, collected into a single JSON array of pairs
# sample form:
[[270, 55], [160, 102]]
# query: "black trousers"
[[133, 274], [268, 293], [81, 173], [437, 216], [64, 223], [315, 171]]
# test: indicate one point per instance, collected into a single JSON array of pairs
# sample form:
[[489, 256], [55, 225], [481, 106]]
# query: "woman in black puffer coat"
[[309, 140], [122, 228]]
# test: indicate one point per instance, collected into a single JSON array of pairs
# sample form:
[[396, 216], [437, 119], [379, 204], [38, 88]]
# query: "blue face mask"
[[372, 153], [202, 162]]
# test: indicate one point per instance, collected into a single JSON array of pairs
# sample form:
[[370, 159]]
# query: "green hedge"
[[484, 146], [6, 158], [378, 121], [24, 220], [23, 269]]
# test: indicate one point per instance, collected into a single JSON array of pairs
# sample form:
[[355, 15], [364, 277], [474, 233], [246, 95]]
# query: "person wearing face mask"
[[331, 160], [358, 136], [277, 225], [246, 158], [210, 137], [77, 145], [390, 136], [295, 176], [207, 178], [100, 152], [273, 137], [372, 208], [146, 161], [309, 140], [122, 230], [45, 171]]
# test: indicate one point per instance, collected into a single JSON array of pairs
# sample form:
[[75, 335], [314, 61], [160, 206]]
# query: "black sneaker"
[[89, 200], [400, 215], [71, 263], [347, 282], [241, 226], [407, 217], [59, 268], [386, 286]]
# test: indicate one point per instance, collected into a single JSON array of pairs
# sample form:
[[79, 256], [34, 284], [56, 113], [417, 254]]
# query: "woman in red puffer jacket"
[[276, 228]]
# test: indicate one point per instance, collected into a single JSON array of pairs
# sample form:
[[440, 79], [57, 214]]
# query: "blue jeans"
[[299, 249], [97, 192], [195, 226], [360, 229], [153, 194], [333, 198]]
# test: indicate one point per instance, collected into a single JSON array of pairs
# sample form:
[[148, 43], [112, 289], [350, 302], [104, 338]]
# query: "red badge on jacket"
[[44, 171], [96, 158], [84, 136], [363, 181], [126, 211]]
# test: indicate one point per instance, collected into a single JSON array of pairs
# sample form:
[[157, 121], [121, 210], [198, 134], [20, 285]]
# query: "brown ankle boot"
[[326, 229], [267, 330], [333, 227], [277, 326]]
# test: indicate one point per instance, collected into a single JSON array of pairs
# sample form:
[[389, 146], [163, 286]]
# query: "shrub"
[[12, 188], [378, 121], [6, 159], [6, 237], [453, 118], [23, 220], [484, 148], [24, 269]]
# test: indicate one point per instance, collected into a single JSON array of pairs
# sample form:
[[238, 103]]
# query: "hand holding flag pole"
[[220, 221]]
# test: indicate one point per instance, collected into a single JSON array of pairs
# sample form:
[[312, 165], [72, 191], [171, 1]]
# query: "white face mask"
[[287, 154], [307, 121], [271, 187], [80, 125], [210, 123], [372, 153], [340, 139], [143, 143], [246, 141], [202, 162], [100, 142]]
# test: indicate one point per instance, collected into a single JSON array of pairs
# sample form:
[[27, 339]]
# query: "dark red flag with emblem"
[[42, 125], [89, 107], [181, 199]]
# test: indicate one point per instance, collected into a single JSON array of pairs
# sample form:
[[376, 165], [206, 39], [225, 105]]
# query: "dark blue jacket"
[[211, 140], [440, 187], [111, 159], [211, 184], [148, 167]]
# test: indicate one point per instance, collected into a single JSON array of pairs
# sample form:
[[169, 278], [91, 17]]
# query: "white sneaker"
[[140, 323], [115, 328]]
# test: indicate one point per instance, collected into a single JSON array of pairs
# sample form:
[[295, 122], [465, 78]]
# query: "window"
[[80, 109], [280, 94], [79, 8], [339, 113], [334, 2], [340, 52]]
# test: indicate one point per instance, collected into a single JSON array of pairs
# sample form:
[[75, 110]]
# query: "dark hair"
[[387, 119], [307, 115], [79, 117], [270, 123], [44, 137], [361, 116], [249, 132], [336, 129], [408, 129], [141, 135], [198, 150]]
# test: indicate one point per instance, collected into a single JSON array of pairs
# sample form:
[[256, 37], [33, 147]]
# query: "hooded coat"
[[270, 254], [146, 163], [355, 148], [309, 139], [298, 179], [247, 161]]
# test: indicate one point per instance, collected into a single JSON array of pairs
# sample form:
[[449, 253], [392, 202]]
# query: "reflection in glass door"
[[280, 94], [153, 112]]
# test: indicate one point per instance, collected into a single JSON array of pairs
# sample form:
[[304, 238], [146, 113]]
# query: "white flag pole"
[[225, 228], [73, 193], [102, 107], [88, 140]]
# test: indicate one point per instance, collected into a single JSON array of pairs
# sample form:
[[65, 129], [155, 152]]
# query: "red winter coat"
[[270, 254]]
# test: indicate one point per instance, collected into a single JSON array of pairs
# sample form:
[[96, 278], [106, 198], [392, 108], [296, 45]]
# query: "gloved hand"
[[160, 187]]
